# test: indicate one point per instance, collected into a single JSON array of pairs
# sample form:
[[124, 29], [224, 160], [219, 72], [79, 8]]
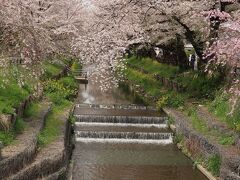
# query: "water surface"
[[99, 159]]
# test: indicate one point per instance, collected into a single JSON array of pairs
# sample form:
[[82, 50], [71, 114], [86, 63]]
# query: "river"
[[115, 140]]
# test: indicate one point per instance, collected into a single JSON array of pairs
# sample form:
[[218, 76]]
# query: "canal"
[[115, 140]]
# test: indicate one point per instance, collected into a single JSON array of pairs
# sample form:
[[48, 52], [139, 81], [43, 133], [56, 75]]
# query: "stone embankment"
[[198, 144], [25, 160], [15, 156]]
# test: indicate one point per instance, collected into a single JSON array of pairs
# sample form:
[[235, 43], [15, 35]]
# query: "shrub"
[[227, 140], [31, 110], [162, 102], [170, 100], [199, 85], [6, 137], [60, 90], [51, 70], [76, 66], [19, 126], [221, 108]]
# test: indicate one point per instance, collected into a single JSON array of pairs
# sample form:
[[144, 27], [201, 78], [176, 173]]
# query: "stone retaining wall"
[[51, 166], [199, 145], [13, 164], [198, 142], [46, 166]]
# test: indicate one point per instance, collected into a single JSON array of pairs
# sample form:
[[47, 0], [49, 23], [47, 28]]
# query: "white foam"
[[130, 141], [121, 125]]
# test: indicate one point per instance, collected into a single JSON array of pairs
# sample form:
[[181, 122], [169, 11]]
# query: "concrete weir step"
[[116, 110], [121, 127], [123, 135], [121, 119], [115, 106]]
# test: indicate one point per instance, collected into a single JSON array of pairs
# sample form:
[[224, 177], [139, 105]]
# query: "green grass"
[[151, 86], [153, 66], [201, 126], [227, 140], [61, 92], [52, 70], [214, 164], [197, 85], [32, 110], [221, 108], [8, 138], [53, 125], [11, 94]]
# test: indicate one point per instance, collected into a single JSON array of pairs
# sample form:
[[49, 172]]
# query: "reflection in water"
[[113, 159]]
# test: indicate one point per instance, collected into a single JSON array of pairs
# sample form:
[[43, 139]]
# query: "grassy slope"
[[199, 88], [11, 95], [61, 92]]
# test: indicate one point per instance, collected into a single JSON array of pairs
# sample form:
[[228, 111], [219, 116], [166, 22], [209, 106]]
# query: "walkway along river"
[[118, 141]]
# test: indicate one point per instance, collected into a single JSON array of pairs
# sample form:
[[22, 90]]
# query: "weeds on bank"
[[213, 164], [52, 127], [61, 92], [197, 85], [8, 137], [221, 108], [11, 93], [52, 69], [32, 110], [201, 126], [153, 66]]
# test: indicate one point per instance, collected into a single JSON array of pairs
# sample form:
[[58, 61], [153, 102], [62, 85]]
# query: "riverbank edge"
[[195, 145], [136, 91], [51, 167], [198, 166], [16, 162]]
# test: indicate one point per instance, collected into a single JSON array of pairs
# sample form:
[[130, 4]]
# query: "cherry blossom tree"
[[31, 30], [30, 27], [105, 39]]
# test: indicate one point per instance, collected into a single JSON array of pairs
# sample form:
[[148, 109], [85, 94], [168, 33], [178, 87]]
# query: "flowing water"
[[116, 140]]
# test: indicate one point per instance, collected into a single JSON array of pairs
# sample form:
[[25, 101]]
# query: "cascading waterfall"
[[115, 106], [123, 135], [121, 119], [125, 129]]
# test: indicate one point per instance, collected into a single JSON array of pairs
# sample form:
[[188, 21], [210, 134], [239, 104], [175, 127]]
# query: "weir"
[[121, 119], [123, 135], [130, 128], [115, 140]]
